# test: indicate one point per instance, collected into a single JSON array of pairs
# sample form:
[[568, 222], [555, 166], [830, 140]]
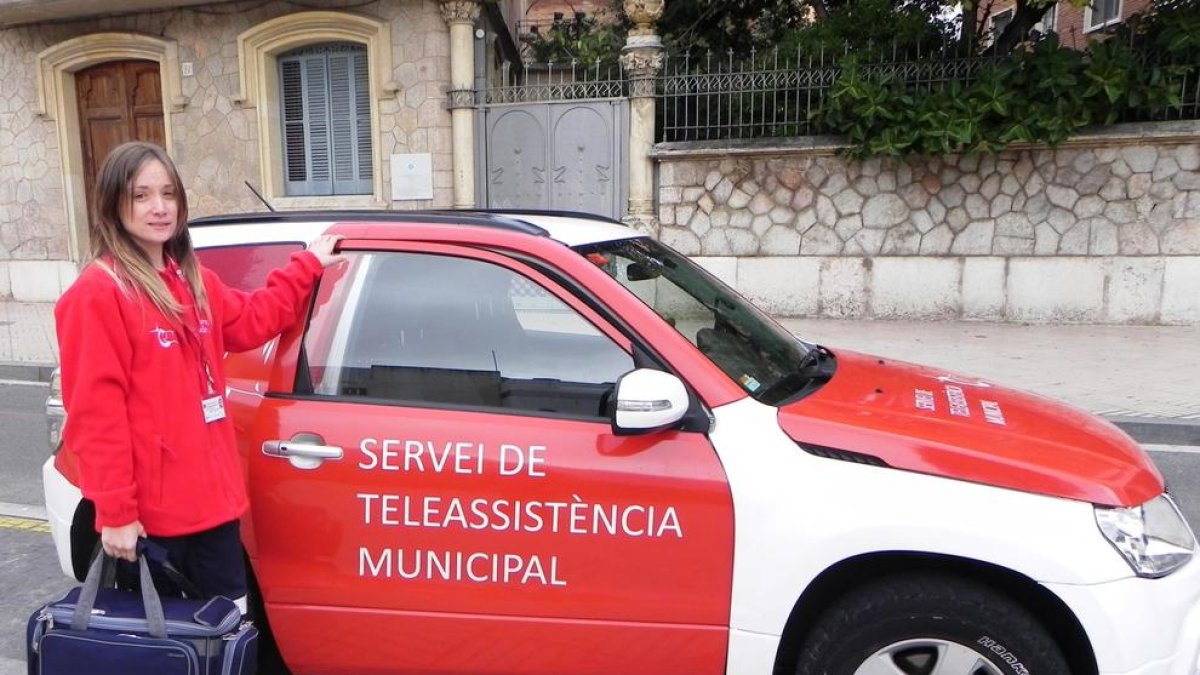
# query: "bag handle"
[[156, 623]]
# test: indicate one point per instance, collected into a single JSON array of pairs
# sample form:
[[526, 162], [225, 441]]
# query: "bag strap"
[[156, 623], [157, 554]]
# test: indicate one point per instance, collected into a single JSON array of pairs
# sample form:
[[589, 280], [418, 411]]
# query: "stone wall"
[[215, 141], [1103, 229]]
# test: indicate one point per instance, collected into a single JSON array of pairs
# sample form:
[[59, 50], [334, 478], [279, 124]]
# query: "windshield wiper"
[[813, 358], [800, 377]]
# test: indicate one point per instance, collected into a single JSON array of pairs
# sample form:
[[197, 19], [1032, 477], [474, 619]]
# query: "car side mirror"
[[641, 272], [647, 400]]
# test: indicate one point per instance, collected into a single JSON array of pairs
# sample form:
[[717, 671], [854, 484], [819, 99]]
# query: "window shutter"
[[295, 149], [362, 104], [326, 120], [316, 108]]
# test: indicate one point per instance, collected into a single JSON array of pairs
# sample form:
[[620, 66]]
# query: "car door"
[[436, 486]]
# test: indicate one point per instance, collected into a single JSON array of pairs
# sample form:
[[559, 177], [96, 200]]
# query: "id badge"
[[214, 408]]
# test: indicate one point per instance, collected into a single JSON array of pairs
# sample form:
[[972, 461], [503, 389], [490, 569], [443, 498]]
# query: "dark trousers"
[[212, 560]]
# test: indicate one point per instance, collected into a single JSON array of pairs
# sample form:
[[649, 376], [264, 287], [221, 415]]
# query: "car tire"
[[929, 625]]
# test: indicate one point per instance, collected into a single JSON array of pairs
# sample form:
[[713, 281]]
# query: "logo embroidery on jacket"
[[204, 326], [166, 338]]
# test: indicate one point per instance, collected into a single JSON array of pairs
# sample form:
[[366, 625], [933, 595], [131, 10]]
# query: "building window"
[[325, 113], [1101, 13], [1000, 21], [1049, 22]]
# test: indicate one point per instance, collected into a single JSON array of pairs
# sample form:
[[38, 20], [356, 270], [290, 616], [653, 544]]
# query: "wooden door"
[[119, 101]]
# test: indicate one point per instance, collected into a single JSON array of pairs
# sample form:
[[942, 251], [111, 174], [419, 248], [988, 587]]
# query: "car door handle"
[[304, 451], [296, 449]]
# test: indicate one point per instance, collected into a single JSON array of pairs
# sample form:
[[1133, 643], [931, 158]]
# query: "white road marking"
[[1185, 449], [26, 383]]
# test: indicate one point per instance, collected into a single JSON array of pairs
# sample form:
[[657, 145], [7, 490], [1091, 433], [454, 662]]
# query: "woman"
[[141, 335]]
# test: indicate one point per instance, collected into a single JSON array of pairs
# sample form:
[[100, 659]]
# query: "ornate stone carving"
[[642, 65], [644, 14], [460, 98], [644, 223], [460, 11], [642, 62]]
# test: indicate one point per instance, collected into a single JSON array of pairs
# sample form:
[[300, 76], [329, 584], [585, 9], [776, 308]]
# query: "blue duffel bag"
[[110, 631]]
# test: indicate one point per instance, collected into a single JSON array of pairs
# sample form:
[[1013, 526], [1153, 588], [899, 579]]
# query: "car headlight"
[[1153, 538]]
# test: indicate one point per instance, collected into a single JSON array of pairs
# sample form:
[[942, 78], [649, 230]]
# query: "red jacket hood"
[[931, 421]]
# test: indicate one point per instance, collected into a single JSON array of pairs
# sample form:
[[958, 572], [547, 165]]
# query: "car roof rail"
[[582, 215], [474, 217]]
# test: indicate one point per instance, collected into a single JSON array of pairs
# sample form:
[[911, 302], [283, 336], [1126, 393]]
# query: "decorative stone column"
[[642, 59], [461, 16]]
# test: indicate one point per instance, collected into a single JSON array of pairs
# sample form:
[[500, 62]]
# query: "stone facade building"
[[375, 106], [313, 108]]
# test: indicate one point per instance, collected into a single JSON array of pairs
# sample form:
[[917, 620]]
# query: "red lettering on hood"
[[925, 420]]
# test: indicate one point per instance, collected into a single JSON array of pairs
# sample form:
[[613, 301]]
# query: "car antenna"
[[260, 197]]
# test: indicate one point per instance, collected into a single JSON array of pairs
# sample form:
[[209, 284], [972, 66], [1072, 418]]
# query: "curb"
[[27, 372], [24, 511], [1159, 431]]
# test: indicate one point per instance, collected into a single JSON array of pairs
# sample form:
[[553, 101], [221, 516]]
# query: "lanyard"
[[208, 382]]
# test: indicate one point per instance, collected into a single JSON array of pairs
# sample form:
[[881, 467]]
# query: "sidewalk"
[[1147, 378], [28, 346]]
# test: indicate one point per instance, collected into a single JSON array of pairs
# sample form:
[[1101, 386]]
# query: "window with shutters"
[[326, 120]]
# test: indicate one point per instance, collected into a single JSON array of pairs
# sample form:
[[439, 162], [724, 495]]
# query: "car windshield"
[[753, 350]]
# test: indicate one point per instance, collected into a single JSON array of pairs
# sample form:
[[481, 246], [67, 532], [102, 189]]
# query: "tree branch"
[[1025, 16]]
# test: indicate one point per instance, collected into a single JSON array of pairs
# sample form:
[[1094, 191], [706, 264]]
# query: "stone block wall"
[[1103, 229], [215, 140], [32, 210]]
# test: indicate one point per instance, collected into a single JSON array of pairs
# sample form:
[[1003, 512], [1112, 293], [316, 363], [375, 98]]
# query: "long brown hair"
[[114, 249]]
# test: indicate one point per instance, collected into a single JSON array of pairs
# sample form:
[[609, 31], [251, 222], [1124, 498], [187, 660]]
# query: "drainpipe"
[[460, 15], [642, 59]]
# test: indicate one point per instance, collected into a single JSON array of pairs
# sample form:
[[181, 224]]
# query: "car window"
[[748, 346], [246, 266], [444, 330]]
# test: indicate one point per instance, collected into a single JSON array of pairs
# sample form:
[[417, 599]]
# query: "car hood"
[[922, 419]]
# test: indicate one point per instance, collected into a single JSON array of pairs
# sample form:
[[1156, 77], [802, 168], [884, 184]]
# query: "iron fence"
[[542, 82], [1188, 94], [1189, 108], [709, 98], [776, 94]]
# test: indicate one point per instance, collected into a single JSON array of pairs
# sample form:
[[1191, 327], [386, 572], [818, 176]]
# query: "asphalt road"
[[1181, 468], [29, 571], [23, 445]]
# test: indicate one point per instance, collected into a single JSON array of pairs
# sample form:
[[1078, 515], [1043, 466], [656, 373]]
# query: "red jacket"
[[133, 384]]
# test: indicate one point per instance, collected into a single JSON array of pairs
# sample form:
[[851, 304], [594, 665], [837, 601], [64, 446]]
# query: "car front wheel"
[[929, 625]]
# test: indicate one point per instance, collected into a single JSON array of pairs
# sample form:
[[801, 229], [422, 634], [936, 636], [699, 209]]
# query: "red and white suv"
[[545, 443]]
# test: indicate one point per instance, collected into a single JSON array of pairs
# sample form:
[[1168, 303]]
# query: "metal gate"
[[555, 144]]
